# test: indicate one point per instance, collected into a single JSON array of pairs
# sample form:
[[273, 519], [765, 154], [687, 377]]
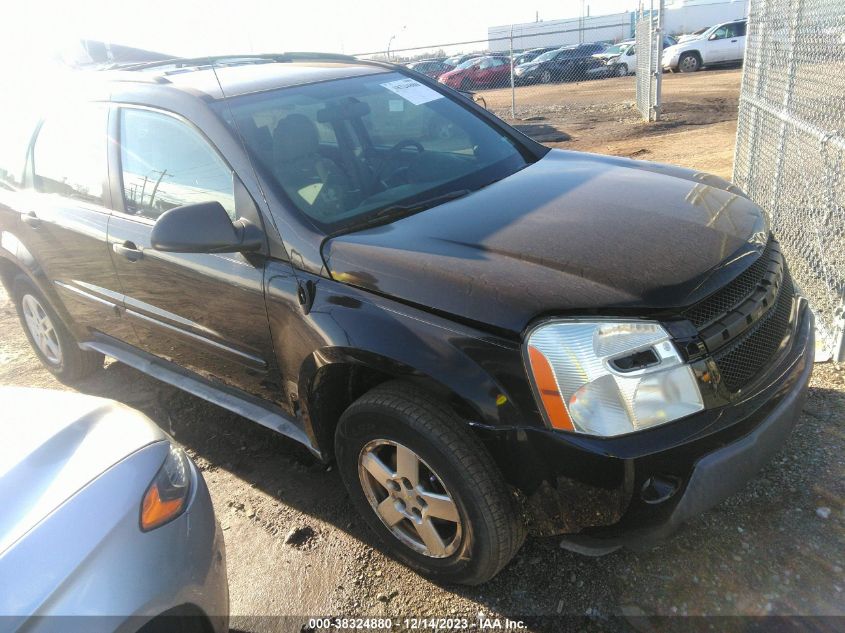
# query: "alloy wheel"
[[42, 330], [410, 498], [689, 64]]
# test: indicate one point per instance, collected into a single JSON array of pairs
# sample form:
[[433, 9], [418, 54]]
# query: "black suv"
[[488, 336], [570, 63]]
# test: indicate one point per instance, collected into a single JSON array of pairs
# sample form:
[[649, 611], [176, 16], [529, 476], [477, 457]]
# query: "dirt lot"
[[697, 127], [778, 547]]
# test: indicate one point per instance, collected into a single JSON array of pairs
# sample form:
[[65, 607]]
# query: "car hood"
[[680, 47], [572, 233], [53, 444]]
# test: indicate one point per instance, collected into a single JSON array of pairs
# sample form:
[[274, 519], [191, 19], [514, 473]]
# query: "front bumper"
[[633, 490]]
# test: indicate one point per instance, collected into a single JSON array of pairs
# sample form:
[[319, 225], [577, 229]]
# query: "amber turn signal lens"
[[167, 495], [155, 512], [549, 393]]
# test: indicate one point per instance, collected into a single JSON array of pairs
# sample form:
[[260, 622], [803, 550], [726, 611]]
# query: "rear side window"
[[69, 155], [165, 164], [15, 134]]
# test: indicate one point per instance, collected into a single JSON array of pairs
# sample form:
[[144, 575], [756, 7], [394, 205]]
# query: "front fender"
[[480, 374]]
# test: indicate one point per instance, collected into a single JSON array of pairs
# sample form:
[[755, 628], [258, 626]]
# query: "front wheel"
[[546, 77], [427, 486], [689, 63], [622, 70]]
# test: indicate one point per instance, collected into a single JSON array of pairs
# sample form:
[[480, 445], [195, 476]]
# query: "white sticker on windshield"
[[412, 91]]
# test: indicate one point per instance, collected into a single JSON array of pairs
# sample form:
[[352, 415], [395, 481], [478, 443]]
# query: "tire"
[[52, 341], [622, 70], [546, 77], [689, 63], [485, 530]]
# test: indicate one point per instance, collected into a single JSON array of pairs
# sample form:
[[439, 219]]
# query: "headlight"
[[610, 377], [167, 496], [519, 71]]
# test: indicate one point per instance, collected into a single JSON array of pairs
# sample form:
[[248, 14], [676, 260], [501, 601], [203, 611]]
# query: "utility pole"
[[155, 189], [581, 26]]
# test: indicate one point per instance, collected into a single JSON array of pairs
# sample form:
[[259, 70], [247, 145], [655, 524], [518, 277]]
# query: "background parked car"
[[720, 44], [97, 502], [564, 64], [620, 58], [483, 72], [532, 54], [457, 60], [430, 68]]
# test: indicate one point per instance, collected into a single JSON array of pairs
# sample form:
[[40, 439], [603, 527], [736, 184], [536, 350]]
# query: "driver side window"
[[167, 164], [720, 33]]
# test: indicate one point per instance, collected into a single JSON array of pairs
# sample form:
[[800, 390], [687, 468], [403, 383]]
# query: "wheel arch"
[[332, 379], [692, 51], [22, 263]]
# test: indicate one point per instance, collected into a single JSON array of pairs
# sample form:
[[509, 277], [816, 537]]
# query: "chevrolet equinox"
[[489, 337]]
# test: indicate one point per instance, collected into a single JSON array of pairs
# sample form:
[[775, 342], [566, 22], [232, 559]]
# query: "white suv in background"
[[720, 44]]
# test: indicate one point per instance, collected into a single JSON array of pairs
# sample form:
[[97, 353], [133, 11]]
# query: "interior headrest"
[[295, 136]]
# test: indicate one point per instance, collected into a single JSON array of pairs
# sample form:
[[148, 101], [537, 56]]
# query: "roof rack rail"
[[181, 64]]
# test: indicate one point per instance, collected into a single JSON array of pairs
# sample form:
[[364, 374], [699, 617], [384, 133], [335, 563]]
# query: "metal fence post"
[[658, 71], [513, 89]]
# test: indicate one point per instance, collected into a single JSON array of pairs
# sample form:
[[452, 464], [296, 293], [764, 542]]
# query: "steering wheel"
[[407, 143], [388, 169]]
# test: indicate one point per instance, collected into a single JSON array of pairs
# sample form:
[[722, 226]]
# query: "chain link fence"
[[649, 43], [790, 149]]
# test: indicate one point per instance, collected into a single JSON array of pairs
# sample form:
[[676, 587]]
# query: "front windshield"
[[344, 150], [617, 49], [468, 63], [707, 32], [547, 56]]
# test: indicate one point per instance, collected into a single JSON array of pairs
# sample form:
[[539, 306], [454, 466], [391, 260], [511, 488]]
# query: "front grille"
[[744, 324], [722, 302], [747, 355]]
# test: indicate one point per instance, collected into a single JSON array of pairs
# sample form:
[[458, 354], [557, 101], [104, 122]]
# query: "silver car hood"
[[52, 444]]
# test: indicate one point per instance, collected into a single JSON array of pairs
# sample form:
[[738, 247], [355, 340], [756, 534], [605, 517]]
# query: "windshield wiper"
[[396, 211]]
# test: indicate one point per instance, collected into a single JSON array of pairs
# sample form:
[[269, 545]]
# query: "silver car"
[[105, 524]]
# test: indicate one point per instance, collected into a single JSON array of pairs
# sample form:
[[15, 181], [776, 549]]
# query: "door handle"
[[128, 250], [31, 220], [733, 40]]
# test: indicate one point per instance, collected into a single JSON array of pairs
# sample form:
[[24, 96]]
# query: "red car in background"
[[481, 72]]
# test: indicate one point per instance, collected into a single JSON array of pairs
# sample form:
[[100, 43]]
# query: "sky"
[[29, 30]]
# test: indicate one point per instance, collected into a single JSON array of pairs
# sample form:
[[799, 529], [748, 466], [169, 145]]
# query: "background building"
[[681, 17]]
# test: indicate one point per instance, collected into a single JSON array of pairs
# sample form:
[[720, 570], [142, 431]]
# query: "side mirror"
[[713, 37], [204, 227]]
